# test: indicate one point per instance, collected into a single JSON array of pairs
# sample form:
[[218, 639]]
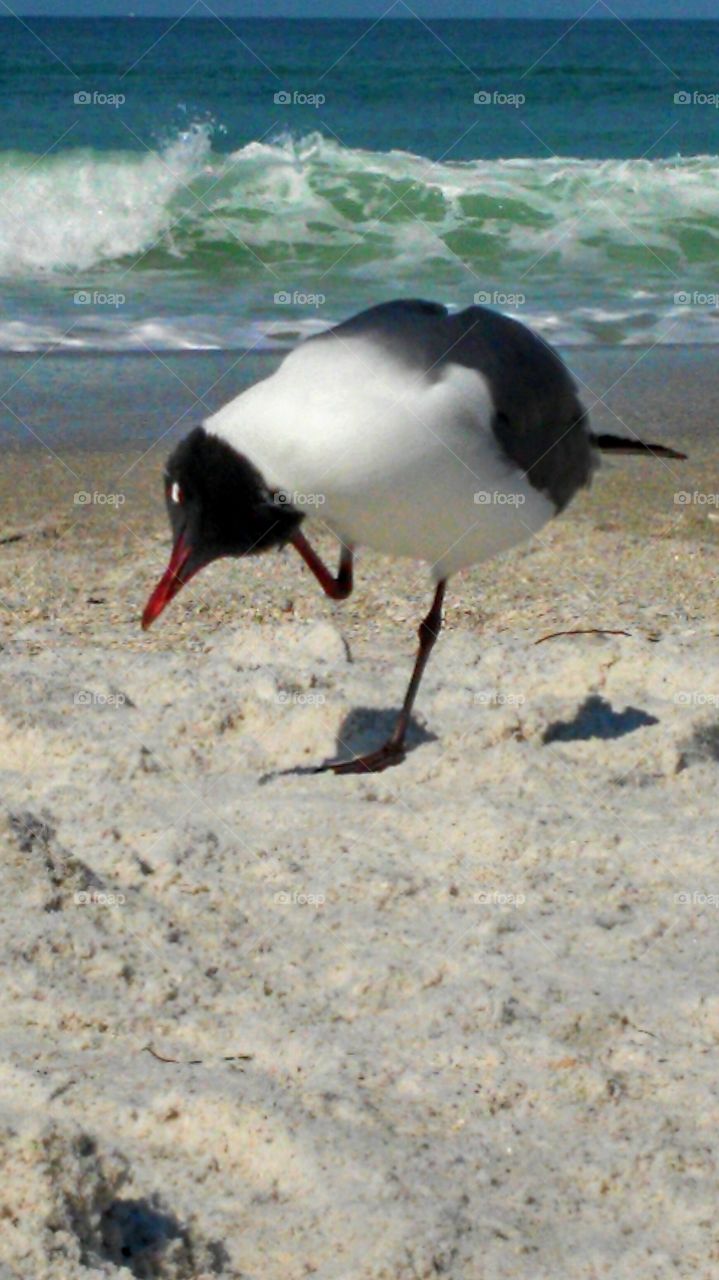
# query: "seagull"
[[447, 437]]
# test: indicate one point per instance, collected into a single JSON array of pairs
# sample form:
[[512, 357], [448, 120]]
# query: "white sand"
[[480, 1022]]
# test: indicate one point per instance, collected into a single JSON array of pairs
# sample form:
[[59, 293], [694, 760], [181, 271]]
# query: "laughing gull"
[[447, 437]]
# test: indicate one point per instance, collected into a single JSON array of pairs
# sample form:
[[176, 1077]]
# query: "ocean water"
[[230, 184]]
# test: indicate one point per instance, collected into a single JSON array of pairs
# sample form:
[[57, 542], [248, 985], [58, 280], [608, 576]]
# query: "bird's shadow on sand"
[[362, 730], [596, 718]]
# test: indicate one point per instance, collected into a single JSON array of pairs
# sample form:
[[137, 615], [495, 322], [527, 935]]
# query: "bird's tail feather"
[[623, 444]]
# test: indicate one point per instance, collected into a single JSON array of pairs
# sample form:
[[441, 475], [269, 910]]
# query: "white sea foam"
[[78, 208]]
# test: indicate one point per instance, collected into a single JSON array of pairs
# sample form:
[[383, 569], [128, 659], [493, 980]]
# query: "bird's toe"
[[374, 762]]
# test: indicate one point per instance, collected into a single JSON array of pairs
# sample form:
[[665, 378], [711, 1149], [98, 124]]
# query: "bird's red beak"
[[175, 576]]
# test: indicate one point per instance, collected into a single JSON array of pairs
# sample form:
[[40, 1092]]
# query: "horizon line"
[[329, 17]]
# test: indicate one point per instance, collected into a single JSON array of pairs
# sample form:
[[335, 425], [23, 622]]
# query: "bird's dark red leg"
[[337, 588], [393, 750]]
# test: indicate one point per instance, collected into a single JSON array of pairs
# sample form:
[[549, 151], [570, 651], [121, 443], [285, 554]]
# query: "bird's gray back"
[[539, 422]]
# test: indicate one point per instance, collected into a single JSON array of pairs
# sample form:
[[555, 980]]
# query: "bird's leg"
[[337, 588], [393, 750]]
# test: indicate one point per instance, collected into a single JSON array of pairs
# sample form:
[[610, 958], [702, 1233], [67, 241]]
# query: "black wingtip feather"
[[624, 444]]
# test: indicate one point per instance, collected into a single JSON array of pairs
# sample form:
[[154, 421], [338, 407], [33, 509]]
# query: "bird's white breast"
[[385, 456]]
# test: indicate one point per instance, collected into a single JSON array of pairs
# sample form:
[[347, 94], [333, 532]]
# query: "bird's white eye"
[[176, 493]]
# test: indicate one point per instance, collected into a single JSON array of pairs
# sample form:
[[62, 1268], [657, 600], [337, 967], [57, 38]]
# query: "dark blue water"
[[182, 179], [599, 92]]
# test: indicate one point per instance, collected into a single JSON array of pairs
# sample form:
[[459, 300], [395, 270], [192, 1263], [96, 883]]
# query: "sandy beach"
[[459, 1019]]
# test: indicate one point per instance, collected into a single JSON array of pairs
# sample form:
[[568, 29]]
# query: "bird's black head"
[[218, 505]]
